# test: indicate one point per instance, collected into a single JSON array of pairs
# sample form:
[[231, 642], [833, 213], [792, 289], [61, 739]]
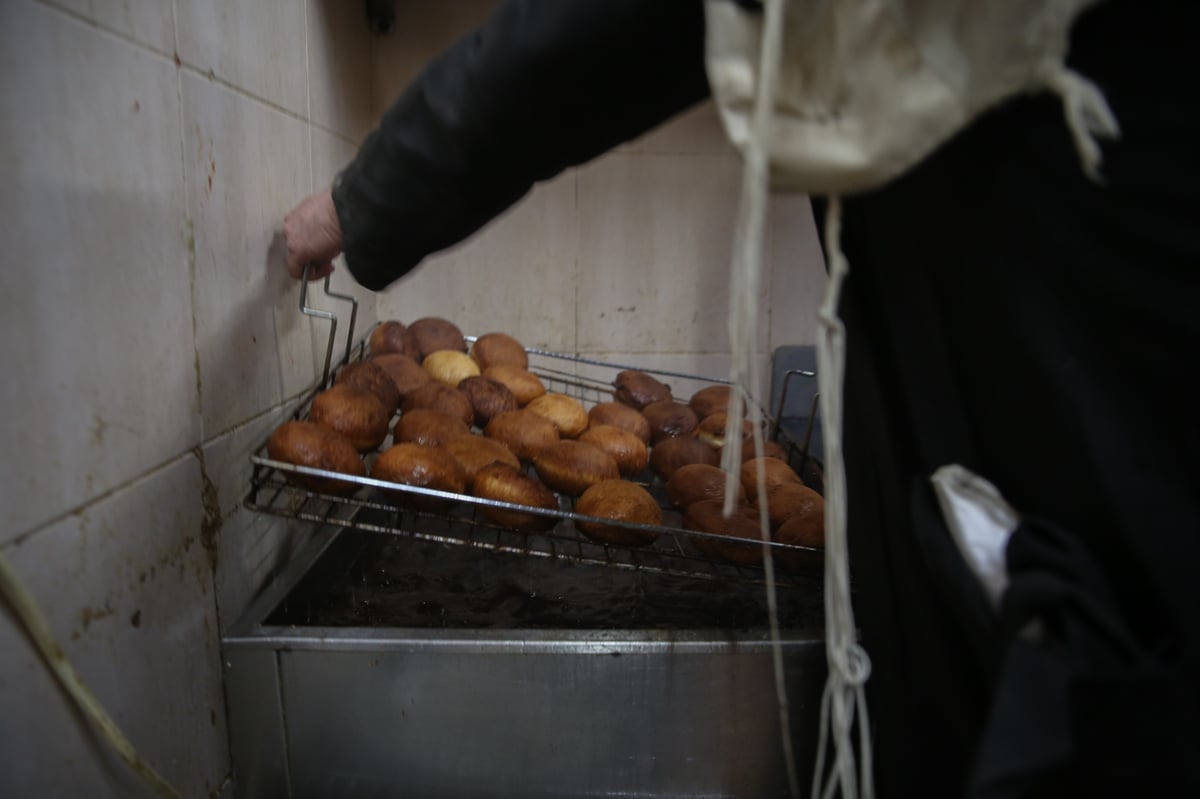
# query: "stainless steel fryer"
[[503, 705]]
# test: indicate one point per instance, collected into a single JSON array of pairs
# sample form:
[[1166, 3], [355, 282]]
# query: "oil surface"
[[380, 580]]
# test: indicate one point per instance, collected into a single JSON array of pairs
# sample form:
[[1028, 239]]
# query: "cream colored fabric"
[[839, 96], [869, 87]]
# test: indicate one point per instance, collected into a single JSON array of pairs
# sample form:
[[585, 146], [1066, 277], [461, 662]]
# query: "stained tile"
[[655, 239], [97, 335], [247, 165], [257, 46], [251, 547], [146, 21], [127, 589], [517, 275]]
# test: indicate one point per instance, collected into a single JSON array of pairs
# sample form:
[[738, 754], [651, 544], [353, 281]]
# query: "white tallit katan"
[[839, 96]]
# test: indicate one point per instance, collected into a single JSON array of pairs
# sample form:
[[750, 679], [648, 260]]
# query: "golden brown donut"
[[805, 528], [474, 452], [440, 397], [572, 466], [711, 430], [406, 373], [777, 472], [790, 499], [450, 366], [699, 481], [671, 453], [370, 376], [624, 447], [433, 333], [710, 400], [620, 415], [356, 414], [668, 419], [494, 349], [502, 482], [524, 385], [309, 444], [638, 389], [567, 413], [743, 543], [392, 336], [488, 398], [424, 467], [771, 449], [429, 428], [620, 501], [523, 432]]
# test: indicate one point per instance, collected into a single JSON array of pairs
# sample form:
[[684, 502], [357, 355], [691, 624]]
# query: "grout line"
[[100, 27], [308, 100], [124, 38], [151, 472], [212, 77], [146, 475], [189, 230]]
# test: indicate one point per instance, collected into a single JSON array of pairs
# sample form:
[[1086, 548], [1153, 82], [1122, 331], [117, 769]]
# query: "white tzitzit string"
[[849, 665], [745, 279]]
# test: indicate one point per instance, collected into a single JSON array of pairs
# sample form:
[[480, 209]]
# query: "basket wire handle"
[[332, 317]]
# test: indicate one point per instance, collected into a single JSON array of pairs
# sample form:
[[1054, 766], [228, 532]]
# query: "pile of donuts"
[[476, 421]]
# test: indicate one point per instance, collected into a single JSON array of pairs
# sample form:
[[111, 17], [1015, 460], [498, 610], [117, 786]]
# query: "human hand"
[[313, 235]]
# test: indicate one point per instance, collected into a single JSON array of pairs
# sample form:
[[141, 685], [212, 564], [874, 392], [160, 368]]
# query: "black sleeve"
[[542, 86]]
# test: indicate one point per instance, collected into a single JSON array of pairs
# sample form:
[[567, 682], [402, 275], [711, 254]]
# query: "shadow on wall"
[[340, 63]]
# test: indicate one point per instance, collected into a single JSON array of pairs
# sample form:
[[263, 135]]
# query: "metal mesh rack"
[[373, 506]]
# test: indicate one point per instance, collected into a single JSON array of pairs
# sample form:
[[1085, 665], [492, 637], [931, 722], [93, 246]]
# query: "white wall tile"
[[149, 22], [422, 31], [655, 238], [256, 45], [247, 165], [127, 589], [96, 326], [517, 275], [339, 53], [797, 267], [330, 155], [696, 131]]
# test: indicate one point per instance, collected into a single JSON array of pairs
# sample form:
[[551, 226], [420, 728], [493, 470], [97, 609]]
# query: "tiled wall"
[[150, 339], [626, 258]]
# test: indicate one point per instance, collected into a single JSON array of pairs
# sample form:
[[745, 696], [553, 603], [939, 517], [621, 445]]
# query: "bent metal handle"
[[332, 317]]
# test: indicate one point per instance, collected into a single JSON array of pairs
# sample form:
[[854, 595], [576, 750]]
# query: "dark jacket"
[[1002, 312]]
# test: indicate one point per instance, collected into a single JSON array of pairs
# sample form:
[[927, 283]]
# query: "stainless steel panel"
[[561, 715], [256, 731]]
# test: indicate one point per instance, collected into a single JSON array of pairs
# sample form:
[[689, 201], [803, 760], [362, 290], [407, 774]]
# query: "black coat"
[[1002, 313]]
